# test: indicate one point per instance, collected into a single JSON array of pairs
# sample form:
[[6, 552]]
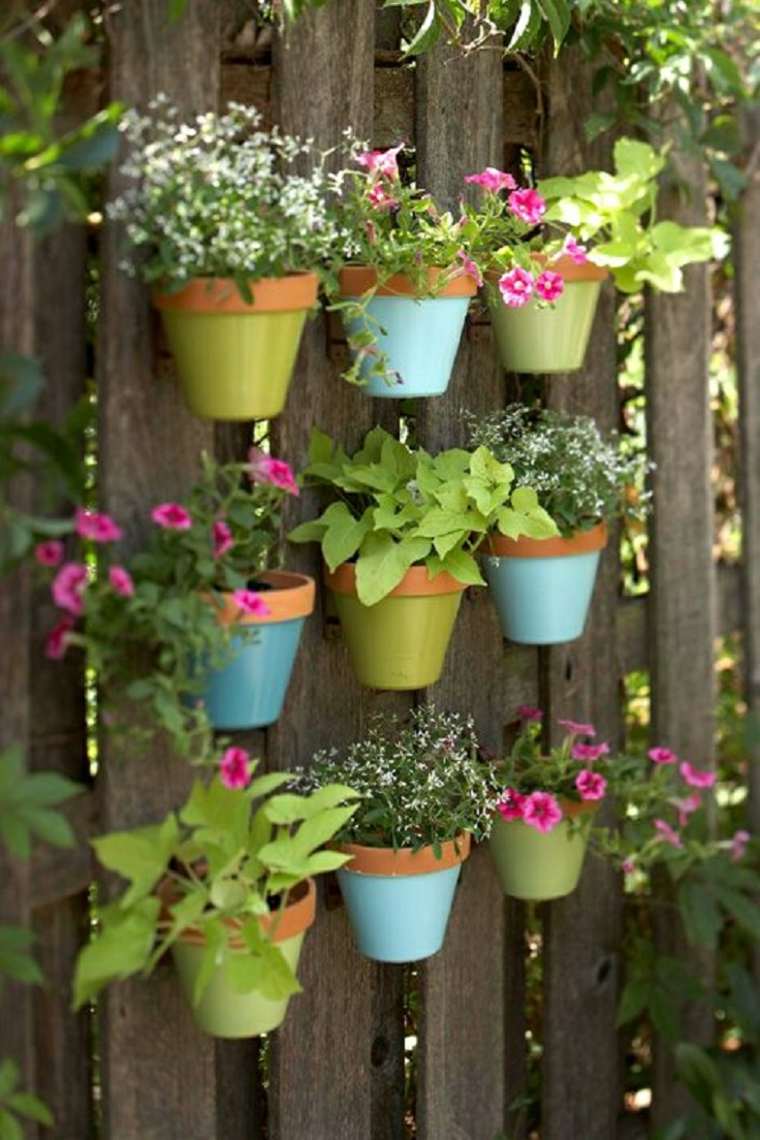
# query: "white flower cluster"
[[217, 196]]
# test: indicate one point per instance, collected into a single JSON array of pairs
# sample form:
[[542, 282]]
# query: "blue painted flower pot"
[[542, 587], [399, 902], [249, 692], [419, 337]]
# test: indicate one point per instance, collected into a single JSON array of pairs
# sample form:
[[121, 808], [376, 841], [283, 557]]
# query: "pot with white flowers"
[[399, 541], [424, 796], [542, 586], [232, 239], [545, 253]]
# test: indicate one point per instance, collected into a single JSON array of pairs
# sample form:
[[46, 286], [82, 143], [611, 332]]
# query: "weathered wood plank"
[[463, 1034], [158, 1070], [580, 680]]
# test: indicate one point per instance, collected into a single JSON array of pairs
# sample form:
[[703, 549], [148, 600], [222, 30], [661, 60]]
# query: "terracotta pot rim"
[[292, 597], [293, 292], [404, 861], [414, 584], [298, 916], [565, 265], [582, 542], [354, 280]]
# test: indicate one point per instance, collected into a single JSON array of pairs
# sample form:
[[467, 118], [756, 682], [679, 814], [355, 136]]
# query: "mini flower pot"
[[539, 865], [224, 1011], [542, 587], [399, 902], [401, 641], [419, 336], [554, 338], [250, 691], [235, 358]]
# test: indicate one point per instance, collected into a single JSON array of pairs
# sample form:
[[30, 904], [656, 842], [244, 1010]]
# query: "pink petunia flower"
[[739, 845], [510, 806], [516, 287], [57, 641], [667, 834], [696, 777], [470, 267], [528, 712], [264, 468], [492, 179], [662, 756], [541, 810], [686, 807], [575, 251], [589, 752], [97, 527], [251, 603], [49, 553], [380, 199], [590, 785], [577, 728], [381, 161], [550, 285], [121, 581], [222, 538], [235, 769], [68, 587], [629, 866], [527, 205], [171, 516]]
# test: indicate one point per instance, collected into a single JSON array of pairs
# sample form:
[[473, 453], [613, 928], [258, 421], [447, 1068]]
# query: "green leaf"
[[28, 1105], [557, 15], [344, 533], [120, 949], [382, 564], [634, 157], [463, 567], [140, 856], [701, 917], [633, 1000], [265, 971], [427, 33]]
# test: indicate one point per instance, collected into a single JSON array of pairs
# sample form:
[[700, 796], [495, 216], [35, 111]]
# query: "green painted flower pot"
[[224, 1011], [552, 338], [538, 866], [401, 642], [235, 359]]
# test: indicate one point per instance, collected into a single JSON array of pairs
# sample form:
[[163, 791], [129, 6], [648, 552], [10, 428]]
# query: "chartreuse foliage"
[[617, 213], [225, 856], [398, 506]]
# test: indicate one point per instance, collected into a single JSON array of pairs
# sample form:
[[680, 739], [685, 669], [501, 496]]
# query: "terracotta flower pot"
[[224, 1011], [555, 339], [235, 358], [401, 641], [539, 865], [418, 335], [542, 587], [399, 901]]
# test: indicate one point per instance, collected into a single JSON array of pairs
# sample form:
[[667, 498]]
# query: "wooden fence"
[[336, 1070]]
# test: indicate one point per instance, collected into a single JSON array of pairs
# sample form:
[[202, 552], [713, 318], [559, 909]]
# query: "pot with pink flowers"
[[545, 806]]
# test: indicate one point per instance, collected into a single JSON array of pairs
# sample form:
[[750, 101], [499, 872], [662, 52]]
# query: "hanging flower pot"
[[235, 357], [224, 1011], [542, 587], [399, 901], [541, 339], [401, 641], [418, 335], [249, 692], [540, 865]]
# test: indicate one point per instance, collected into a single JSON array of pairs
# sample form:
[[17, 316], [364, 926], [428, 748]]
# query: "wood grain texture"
[[158, 1070], [461, 1068], [581, 681]]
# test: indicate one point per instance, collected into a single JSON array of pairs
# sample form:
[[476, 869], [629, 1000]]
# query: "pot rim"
[[570, 810], [581, 542], [297, 917], [570, 271], [404, 861], [414, 584], [354, 280], [293, 597], [294, 291]]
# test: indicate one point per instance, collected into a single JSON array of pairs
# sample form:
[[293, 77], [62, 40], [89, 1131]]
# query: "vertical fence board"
[[336, 1020], [461, 1081], [682, 623], [580, 681], [158, 1070]]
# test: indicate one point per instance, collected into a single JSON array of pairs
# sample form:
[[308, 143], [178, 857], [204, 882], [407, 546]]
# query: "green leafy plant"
[[397, 507], [15, 1103], [152, 626], [420, 781], [580, 477], [231, 856]]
